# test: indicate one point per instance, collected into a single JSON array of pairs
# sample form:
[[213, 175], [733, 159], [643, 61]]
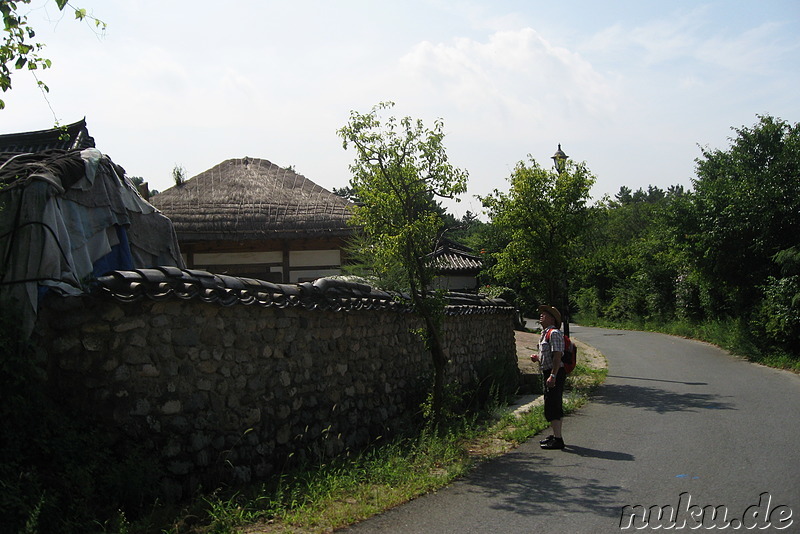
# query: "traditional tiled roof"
[[70, 137], [252, 199], [453, 258], [164, 283]]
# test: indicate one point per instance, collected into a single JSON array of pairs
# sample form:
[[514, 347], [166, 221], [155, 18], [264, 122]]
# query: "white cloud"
[[759, 50], [513, 74]]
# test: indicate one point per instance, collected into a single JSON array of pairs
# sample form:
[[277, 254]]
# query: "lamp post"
[[560, 159], [560, 163]]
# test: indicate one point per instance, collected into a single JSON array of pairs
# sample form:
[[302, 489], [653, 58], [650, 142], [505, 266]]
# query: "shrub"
[[781, 310]]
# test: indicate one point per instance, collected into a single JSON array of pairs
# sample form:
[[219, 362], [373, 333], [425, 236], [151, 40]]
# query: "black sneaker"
[[548, 439], [555, 443]]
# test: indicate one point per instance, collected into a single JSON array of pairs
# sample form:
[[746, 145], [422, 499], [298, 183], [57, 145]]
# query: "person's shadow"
[[594, 453]]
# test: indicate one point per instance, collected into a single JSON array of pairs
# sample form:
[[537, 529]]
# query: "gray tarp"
[[56, 237]]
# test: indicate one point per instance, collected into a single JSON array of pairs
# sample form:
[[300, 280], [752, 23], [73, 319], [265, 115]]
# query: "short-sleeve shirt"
[[548, 347]]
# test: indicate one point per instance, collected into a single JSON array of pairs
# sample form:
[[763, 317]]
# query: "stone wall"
[[227, 393]]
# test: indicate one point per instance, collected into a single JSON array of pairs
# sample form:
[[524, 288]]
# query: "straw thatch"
[[253, 199]]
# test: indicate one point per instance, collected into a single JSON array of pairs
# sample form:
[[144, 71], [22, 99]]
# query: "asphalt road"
[[678, 423]]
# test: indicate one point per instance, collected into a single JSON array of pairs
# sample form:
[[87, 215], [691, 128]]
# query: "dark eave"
[[70, 137]]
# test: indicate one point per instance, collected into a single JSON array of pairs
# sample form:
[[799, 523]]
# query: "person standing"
[[551, 347]]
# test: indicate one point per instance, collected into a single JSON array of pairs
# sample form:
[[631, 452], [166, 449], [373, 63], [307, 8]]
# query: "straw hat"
[[551, 311]]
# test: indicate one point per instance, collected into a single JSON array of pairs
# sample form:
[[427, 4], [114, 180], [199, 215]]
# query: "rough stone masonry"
[[221, 391]]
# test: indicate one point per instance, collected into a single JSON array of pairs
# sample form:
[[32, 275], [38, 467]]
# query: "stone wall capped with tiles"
[[223, 379]]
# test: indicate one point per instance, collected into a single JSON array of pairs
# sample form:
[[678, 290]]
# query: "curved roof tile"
[[162, 283]]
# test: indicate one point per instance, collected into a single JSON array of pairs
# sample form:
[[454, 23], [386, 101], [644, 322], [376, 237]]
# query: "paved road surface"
[[677, 423]]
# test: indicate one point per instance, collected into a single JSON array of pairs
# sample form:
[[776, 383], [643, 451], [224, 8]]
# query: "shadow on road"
[[594, 453], [521, 483], [659, 380], [658, 400]]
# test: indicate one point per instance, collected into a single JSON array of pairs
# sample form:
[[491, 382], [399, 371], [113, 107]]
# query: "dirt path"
[[526, 345]]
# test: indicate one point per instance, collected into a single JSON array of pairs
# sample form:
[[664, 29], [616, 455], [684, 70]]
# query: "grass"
[[727, 334], [320, 498]]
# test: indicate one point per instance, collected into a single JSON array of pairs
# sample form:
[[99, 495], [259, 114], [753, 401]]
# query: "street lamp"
[[560, 163], [560, 159]]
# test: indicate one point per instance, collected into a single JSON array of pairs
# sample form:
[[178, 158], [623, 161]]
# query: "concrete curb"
[[525, 404]]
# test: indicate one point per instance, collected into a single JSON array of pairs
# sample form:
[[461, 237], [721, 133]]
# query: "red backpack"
[[569, 358]]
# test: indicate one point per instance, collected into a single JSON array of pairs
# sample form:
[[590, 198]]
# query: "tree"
[[541, 216], [400, 169], [465, 230], [632, 258], [142, 187], [17, 47], [747, 200], [345, 192]]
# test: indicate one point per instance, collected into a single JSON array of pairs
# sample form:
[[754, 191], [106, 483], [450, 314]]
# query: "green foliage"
[[724, 257], [781, 311], [361, 265], [178, 174], [781, 304], [540, 219], [499, 292], [400, 169], [747, 200], [18, 48], [346, 192], [631, 262]]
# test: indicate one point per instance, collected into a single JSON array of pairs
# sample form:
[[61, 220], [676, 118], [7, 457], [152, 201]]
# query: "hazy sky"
[[632, 88]]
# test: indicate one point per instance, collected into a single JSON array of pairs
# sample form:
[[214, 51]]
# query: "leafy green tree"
[[345, 192], [541, 217], [17, 47], [400, 169], [726, 251], [747, 200], [632, 260]]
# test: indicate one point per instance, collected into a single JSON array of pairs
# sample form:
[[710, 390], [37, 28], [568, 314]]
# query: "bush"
[[588, 303], [781, 309], [499, 292]]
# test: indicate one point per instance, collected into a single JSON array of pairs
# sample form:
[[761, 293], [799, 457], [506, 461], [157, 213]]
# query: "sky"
[[634, 89]]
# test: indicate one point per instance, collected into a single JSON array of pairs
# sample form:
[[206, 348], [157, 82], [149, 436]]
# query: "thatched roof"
[[73, 136], [252, 199]]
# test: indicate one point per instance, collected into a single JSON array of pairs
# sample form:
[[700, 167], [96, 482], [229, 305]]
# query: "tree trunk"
[[434, 344], [439, 366]]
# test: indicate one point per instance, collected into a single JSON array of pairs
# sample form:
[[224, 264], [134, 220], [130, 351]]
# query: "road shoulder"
[[526, 343]]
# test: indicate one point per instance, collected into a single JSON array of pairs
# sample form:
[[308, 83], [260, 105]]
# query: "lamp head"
[[560, 159]]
